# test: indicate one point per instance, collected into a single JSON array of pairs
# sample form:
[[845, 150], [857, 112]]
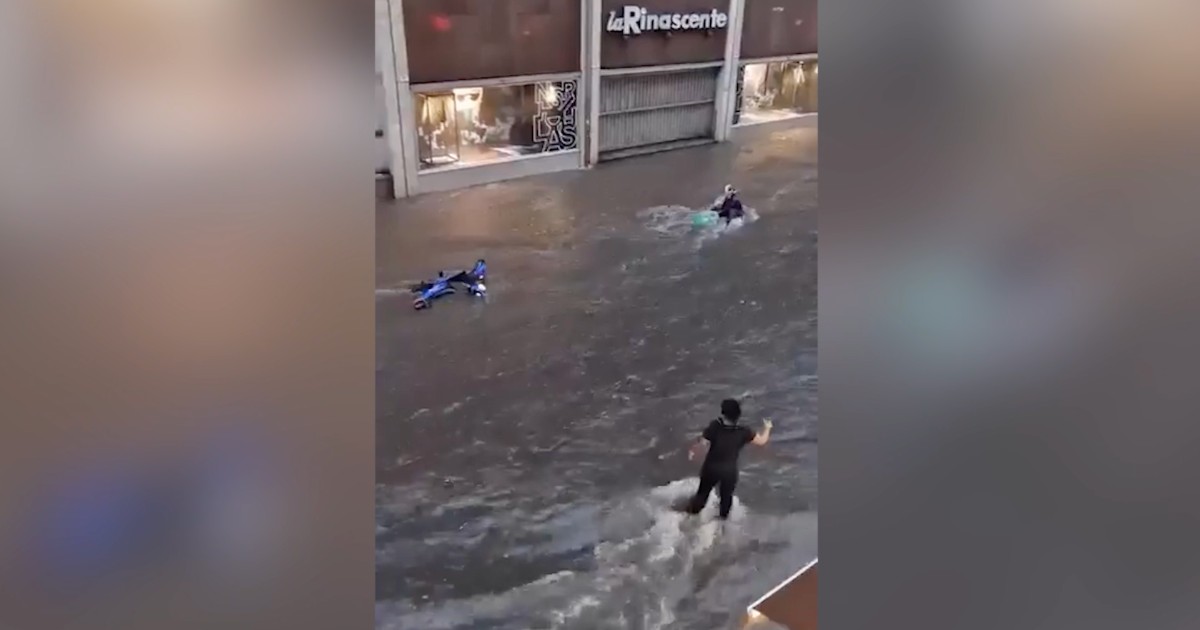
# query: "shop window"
[[776, 91], [483, 124]]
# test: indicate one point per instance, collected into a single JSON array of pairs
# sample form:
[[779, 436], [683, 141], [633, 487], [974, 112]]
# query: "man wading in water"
[[726, 439]]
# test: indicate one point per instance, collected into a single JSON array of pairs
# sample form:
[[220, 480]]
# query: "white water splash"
[[668, 220], [392, 292], [678, 222], [645, 564]]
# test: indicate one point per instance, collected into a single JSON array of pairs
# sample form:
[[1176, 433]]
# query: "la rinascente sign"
[[637, 20]]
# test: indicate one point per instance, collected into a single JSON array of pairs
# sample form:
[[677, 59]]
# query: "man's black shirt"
[[726, 441]]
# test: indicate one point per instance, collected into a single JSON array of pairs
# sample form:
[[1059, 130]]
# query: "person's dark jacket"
[[726, 440], [731, 207]]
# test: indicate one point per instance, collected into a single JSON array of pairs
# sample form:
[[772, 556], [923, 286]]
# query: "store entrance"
[[438, 144]]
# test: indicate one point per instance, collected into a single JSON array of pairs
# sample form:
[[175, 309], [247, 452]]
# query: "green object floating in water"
[[704, 219]]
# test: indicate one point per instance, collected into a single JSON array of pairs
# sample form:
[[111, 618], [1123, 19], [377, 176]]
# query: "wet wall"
[[658, 48], [459, 40], [774, 28]]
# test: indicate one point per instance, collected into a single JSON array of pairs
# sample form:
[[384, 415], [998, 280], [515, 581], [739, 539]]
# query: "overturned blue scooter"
[[471, 281]]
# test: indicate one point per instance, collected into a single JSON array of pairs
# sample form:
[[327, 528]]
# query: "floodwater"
[[530, 448]]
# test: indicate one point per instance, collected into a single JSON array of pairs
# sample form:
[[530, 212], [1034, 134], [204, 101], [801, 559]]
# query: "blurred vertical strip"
[[186, 281], [1008, 305]]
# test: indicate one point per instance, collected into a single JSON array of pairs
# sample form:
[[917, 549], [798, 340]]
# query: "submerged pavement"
[[529, 449]]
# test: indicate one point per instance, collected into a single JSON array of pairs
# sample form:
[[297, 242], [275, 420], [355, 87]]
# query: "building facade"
[[474, 92], [777, 62]]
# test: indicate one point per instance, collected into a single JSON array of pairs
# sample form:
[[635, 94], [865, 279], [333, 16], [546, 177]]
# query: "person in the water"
[[730, 207], [725, 438]]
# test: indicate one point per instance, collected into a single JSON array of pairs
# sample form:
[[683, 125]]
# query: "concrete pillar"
[[405, 161], [392, 131], [727, 80], [591, 76], [583, 91]]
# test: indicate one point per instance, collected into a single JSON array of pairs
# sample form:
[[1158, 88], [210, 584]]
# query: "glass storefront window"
[[776, 91], [474, 125]]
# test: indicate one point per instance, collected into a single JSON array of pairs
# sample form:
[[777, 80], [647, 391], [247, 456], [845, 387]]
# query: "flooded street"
[[530, 447]]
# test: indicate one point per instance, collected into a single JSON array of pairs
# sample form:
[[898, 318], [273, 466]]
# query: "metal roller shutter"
[[643, 110]]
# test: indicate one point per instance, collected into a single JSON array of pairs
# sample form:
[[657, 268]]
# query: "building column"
[[727, 80], [392, 132], [583, 90], [593, 21], [405, 158]]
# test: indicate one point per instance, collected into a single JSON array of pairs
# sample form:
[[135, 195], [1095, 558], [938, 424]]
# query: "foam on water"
[[648, 559], [677, 222], [668, 220], [392, 291]]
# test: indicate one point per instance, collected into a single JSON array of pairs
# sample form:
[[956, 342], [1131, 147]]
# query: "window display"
[[474, 125], [776, 91]]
